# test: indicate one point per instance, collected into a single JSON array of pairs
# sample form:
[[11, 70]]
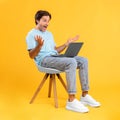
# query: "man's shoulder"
[[30, 34], [32, 31]]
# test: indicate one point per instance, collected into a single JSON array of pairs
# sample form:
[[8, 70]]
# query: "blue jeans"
[[69, 65]]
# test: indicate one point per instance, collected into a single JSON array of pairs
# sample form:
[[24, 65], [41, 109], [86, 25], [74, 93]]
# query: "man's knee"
[[85, 60], [84, 63], [72, 63]]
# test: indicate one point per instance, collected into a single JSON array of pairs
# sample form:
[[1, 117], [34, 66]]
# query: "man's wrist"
[[39, 46], [66, 44]]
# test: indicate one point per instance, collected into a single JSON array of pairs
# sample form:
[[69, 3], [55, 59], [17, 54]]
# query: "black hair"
[[39, 14]]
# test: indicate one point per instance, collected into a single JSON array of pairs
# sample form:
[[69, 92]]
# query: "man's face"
[[43, 23]]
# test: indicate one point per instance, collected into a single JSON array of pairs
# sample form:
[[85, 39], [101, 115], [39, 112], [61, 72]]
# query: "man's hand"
[[70, 40], [39, 40], [34, 52]]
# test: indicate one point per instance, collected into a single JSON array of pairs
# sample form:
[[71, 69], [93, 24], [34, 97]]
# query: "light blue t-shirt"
[[48, 47]]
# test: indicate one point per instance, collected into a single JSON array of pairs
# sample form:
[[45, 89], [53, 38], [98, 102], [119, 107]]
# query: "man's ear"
[[37, 21]]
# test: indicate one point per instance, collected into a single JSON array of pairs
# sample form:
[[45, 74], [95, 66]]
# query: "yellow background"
[[97, 22]]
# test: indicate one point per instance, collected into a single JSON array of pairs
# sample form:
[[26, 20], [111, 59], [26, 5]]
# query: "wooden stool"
[[51, 73]]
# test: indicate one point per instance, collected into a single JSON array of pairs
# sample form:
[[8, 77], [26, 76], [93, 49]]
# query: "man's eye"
[[44, 20]]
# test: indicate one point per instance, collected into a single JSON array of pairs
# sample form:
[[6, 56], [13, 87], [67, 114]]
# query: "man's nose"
[[47, 23]]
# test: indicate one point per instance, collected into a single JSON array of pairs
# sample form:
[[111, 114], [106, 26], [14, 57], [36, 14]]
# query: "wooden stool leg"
[[39, 87], [62, 81], [55, 90], [50, 86]]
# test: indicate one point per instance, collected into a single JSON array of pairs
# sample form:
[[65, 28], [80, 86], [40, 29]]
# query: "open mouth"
[[45, 26]]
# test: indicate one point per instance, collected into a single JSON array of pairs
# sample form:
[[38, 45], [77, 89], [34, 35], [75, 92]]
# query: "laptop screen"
[[73, 49]]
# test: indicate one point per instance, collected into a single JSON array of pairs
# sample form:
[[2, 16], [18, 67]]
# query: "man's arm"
[[60, 48], [34, 52], [70, 40]]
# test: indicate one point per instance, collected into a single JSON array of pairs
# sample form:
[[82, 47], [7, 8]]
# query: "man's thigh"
[[58, 63]]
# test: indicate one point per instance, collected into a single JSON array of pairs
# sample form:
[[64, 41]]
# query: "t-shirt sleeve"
[[31, 43]]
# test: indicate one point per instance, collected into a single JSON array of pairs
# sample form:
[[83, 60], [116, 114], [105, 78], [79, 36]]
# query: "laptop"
[[72, 50]]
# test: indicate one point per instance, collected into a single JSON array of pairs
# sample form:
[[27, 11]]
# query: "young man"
[[41, 47]]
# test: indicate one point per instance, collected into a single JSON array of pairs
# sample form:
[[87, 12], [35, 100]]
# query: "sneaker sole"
[[71, 109], [85, 103]]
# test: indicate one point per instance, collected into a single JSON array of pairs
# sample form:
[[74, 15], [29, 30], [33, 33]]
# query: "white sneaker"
[[76, 106], [88, 100]]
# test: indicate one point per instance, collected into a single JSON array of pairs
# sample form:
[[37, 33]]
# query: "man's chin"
[[44, 30]]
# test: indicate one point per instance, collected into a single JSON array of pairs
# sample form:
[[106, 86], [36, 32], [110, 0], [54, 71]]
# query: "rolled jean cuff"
[[85, 89], [71, 92]]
